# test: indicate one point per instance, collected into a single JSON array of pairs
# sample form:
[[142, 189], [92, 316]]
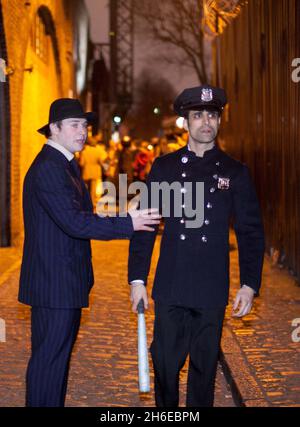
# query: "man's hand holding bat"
[[138, 292]]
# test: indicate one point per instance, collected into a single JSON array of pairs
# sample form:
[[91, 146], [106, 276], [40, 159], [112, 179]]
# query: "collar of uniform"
[[207, 154], [60, 148]]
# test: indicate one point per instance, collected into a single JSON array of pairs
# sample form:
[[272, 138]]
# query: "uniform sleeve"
[[142, 242], [249, 230], [57, 195]]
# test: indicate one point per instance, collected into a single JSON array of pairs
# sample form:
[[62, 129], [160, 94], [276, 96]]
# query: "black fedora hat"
[[66, 108]]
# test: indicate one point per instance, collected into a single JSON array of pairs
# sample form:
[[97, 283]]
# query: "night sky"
[[99, 19]]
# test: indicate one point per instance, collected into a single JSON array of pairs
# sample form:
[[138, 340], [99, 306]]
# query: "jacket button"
[[206, 222], [212, 189], [215, 176], [182, 221], [184, 159], [182, 236], [183, 190], [183, 175], [217, 163], [209, 205], [204, 239]]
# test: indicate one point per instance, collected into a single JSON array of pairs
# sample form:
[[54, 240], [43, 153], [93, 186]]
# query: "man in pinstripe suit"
[[56, 273]]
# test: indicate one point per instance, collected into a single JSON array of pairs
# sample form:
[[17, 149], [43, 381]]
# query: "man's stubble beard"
[[196, 140]]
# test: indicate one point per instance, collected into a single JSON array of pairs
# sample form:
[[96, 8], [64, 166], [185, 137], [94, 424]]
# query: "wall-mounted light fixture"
[[9, 70], [29, 69]]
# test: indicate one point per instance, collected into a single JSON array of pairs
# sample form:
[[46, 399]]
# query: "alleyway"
[[261, 358]]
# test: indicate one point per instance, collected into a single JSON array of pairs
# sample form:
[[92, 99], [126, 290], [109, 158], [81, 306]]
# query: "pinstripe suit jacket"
[[59, 222]]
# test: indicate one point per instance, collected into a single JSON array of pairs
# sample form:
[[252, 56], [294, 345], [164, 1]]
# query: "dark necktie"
[[75, 166]]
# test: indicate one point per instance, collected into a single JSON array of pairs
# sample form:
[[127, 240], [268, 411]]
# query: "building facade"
[[39, 40]]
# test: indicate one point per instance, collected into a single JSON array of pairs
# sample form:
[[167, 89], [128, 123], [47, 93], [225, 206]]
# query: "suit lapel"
[[73, 172]]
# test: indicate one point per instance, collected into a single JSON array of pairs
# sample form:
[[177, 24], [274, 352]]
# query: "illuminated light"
[[156, 110], [115, 137], [117, 119], [126, 138], [221, 12], [150, 147], [82, 50], [179, 122]]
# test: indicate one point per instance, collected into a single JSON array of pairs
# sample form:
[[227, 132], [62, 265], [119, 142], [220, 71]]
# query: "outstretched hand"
[[143, 219]]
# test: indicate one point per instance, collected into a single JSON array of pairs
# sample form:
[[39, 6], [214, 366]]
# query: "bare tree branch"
[[175, 23]]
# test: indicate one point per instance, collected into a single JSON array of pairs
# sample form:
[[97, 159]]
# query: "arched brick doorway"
[[4, 147]]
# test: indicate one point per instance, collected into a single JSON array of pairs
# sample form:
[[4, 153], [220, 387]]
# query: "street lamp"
[[117, 120], [179, 122]]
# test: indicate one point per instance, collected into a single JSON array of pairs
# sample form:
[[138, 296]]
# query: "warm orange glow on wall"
[[218, 13]]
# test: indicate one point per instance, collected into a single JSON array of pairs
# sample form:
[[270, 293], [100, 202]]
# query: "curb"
[[245, 388]]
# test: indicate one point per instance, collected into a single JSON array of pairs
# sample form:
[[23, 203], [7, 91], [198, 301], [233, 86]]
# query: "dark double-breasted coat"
[[193, 267]]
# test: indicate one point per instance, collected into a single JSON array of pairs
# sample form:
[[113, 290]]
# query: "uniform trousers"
[[179, 332], [53, 334]]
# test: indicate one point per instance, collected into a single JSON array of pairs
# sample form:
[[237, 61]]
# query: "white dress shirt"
[[60, 148]]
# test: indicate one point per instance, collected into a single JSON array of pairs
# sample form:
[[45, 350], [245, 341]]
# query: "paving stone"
[[263, 339]]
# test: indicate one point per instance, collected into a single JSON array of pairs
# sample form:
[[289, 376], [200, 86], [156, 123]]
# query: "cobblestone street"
[[261, 360], [104, 365]]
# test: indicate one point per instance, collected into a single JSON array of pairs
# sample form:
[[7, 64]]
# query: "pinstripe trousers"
[[53, 334]]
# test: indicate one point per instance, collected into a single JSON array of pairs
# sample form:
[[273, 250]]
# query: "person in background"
[[143, 161], [126, 159], [91, 161]]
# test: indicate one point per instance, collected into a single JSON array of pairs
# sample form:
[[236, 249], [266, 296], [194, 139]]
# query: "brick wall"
[[32, 92]]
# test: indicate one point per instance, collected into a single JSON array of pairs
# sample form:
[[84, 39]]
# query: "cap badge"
[[206, 95]]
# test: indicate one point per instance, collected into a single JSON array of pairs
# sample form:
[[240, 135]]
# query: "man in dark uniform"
[[192, 278]]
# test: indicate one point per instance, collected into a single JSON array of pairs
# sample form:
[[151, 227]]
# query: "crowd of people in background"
[[101, 162]]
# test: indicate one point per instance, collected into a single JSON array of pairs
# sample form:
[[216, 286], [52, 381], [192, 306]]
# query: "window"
[[40, 38]]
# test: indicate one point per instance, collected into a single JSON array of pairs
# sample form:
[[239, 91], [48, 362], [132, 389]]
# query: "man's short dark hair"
[[48, 133]]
